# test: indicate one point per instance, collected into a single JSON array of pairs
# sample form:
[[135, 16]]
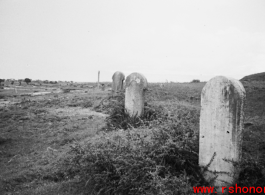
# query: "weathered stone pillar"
[[98, 78], [221, 130], [135, 86], [117, 82]]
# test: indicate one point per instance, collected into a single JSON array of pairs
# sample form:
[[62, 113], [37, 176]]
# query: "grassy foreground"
[[85, 143]]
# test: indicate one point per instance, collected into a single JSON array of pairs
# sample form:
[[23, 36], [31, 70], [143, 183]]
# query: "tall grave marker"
[[135, 86], [221, 129], [117, 82]]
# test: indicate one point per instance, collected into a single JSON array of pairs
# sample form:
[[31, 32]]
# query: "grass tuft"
[[120, 119]]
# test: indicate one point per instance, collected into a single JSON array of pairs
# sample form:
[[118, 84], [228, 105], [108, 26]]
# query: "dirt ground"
[[36, 128]]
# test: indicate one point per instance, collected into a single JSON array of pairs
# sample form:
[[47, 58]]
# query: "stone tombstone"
[[221, 130], [135, 86], [117, 82]]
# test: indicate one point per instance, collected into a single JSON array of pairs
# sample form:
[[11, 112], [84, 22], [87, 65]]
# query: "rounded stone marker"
[[221, 130], [117, 82], [135, 86]]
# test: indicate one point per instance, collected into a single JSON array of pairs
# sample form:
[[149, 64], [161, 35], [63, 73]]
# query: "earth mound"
[[254, 77]]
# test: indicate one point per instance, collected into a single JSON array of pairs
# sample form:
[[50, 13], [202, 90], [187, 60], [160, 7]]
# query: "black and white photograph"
[[143, 97]]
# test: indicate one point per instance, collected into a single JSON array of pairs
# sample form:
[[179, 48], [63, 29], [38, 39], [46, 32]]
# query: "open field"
[[72, 141]]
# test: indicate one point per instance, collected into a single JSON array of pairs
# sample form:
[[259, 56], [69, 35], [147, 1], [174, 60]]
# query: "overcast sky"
[[176, 40]]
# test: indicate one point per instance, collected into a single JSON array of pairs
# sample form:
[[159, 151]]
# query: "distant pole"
[[98, 78]]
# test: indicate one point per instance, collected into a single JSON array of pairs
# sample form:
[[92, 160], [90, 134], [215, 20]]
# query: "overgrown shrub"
[[159, 157], [120, 119], [252, 165], [195, 81], [27, 80], [139, 161]]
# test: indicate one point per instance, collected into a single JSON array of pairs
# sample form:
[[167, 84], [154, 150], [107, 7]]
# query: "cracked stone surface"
[[221, 127]]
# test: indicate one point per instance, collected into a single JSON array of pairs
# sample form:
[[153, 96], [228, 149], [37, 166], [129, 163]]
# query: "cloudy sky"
[[164, 40]]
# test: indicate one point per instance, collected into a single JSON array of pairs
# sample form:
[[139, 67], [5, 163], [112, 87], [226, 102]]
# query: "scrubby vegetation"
[[120, 119], [27, 80], [86, 143], [159, 157]]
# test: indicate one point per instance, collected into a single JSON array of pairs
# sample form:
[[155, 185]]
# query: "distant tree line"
[[28, 80], [51, 82]]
